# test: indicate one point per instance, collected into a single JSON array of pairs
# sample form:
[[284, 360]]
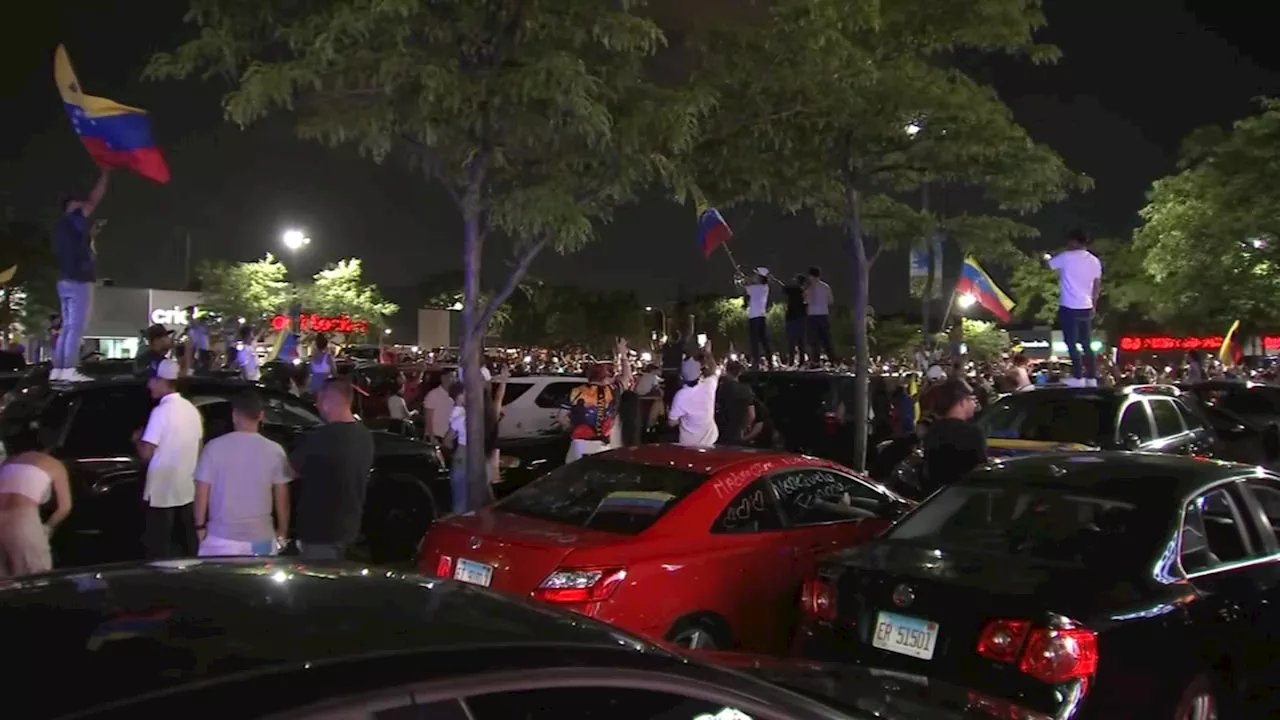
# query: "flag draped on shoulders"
[[116, 136], [713, 231], [976, 282]]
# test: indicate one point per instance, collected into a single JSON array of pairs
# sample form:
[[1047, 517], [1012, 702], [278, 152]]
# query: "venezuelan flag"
[[117, 136], [128, 625], [713, 231], [1227, 354], [976, 282]]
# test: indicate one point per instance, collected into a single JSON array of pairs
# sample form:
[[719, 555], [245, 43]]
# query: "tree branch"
[[517, 274], [430, 165]]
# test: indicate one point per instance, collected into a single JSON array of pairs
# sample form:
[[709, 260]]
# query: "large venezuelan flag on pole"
[[976, 282], [713, 231], [117, 136]]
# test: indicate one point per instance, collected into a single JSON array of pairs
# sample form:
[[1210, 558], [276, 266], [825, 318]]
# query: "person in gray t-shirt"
[[241, 478]]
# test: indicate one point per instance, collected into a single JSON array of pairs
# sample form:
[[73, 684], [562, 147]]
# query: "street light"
[[912, 129], [387, 331], [295, 239], [966, 301]]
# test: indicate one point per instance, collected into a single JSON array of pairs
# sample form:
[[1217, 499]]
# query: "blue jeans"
[[795, 340], [76, 299], [820, 339], [1076, 330], [758, 334]]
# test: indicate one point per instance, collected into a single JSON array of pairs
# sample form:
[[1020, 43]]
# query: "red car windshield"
[[597, 493]]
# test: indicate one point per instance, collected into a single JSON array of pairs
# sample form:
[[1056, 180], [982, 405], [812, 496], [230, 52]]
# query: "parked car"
[[1083, 585], [523, 460], [531, 405], [251, 639], [89, 426], [705, 548]]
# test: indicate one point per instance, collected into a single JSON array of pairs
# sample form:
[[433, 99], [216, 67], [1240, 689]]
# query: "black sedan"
[[1092, 585], [249, 639], [89, 426]]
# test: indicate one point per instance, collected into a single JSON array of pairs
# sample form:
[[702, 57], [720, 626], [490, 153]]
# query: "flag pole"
[[729, 252]]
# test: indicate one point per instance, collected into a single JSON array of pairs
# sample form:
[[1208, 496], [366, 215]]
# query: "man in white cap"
[[757, 326], [170, 446]]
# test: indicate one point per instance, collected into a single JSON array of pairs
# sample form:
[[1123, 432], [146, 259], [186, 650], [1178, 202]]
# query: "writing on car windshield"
[[1039, 523], [597, 493]]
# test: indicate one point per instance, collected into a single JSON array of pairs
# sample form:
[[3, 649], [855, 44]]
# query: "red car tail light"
[[1002, 639], [1052, 655], [580, 585], [444, 566], [818, 599], [830, 422], [1056, 656]]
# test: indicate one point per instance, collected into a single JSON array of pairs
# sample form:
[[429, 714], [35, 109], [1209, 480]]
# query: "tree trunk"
[[861, 300], [472, 338]]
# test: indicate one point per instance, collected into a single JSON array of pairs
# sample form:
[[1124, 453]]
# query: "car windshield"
[[1041, 523], [598, 493], [1083, 419]]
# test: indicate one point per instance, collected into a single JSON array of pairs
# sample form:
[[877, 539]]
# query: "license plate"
[[905, 635], [473, 572]]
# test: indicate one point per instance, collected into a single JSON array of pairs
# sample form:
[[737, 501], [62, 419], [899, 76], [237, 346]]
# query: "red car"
[[705, 548]]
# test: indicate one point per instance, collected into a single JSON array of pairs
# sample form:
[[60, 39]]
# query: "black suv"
[[89, 426]]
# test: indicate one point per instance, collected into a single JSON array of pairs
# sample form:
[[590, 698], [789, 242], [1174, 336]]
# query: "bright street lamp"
[[295, 239], [387, 331], [912, 129], [966, 301], [648, 308]]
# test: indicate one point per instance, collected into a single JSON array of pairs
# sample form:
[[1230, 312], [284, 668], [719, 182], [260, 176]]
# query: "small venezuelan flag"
[[128, 625], [713, 231], [976, 282], [117, 136]]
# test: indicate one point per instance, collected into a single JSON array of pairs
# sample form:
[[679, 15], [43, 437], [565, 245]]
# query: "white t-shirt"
[[247, 359], [241, 468], [175, 428], [818, 297], [458, 424], [439, 406], [397, 409], [694, 407], [757, 300], [1077, 270], [647, 383]]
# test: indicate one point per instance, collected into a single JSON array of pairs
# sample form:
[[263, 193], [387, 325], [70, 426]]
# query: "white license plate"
[[905, 635], [473, 572]]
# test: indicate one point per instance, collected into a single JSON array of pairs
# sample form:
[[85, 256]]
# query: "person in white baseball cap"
[[757, 293], [170, 445]]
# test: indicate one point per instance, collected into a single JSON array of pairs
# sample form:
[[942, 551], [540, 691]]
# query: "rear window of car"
[[1043, 523], [598, 493], [798, 391], [1084, 419]]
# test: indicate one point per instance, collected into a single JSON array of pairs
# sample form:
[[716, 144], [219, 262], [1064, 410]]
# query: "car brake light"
[[818, 599], [444, 566], [830, 422], [580, 585], [1052, 655]]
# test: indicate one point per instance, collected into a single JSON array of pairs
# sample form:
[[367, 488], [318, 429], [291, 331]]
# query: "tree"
[[984, 341], [1126, 285], [252, 290], [1210, 237], [340, 289], [31, 296], [895, 338], [537, 117], [840, 108]]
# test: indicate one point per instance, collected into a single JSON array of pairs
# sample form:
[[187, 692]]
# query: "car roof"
[[1135, 477], [705, 460], [216, 618]]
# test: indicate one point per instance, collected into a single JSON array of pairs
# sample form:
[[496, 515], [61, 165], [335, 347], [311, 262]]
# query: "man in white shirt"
[[693, 409], [817, 298], [170, 445], [757, 293], [438, 405], [1079, 284]]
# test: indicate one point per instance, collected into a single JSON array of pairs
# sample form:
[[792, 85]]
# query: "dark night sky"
[[1136, 76]]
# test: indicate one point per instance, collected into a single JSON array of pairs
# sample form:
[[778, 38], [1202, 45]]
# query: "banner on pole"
[[919, 269]]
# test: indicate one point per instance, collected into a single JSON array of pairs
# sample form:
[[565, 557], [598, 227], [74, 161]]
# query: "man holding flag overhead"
[[1079, 284], [73, 251]]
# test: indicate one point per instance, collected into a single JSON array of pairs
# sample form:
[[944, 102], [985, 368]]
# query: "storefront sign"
[[319, 323], [1130, 343], [171, 316]]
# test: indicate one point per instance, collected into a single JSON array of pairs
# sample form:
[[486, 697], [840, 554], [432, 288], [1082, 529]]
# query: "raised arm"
[[95, 195]]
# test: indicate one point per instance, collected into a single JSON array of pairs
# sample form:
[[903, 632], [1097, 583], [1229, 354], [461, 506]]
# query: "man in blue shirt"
[[73, 251]]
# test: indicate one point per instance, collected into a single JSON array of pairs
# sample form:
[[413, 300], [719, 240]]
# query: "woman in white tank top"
[[27, 481]]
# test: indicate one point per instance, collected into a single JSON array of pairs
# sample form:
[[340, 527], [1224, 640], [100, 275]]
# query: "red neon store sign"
[[319, 323], [1130, 343]]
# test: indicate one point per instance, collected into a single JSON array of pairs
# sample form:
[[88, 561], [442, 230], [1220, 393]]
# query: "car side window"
[[1213, 532], [514, 390], [1267, 493], [753, 510], [1168, 419], [1134, 421], [555, 395], [816, 496], [103, 423], [1189, 416]]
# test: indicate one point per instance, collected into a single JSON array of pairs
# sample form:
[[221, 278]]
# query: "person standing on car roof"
[[795, 319], [332, 464], [757, 292], [953, 445], [1079, 284], [817, 300], [241, 477], [170, 445], [74, 256]]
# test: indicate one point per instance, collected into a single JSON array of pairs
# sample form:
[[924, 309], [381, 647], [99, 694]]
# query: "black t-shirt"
[[332, 463], [951, 448], [147, 362], [672, 356], [795, 301], [733, 400], [71, 248]]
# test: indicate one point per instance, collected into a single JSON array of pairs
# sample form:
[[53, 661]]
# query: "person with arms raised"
[[73, 251]]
